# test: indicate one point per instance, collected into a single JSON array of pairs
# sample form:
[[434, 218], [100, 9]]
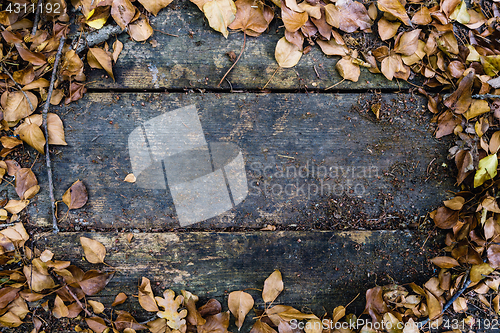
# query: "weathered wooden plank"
[[197, 58], [320, 270], [247, 160]]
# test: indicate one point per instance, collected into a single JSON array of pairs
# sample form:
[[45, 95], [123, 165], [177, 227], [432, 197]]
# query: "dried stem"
[[239, 56], [276, 71], [84, 308], [47, 152], [39, 6], [96, 37]]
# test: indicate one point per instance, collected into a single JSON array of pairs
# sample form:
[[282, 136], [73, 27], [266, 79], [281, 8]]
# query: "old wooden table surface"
[[296, 156]]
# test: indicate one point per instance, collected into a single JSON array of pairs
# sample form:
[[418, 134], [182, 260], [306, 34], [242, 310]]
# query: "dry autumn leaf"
[[119, 299], [140, 30], [94, 250], [154, 6], [16, 106], [273, 286], [287, 54], [395, 8], [220, 14], [170, 305], [146, 296], [240, 303], [252, 17], [98, 58], [32, 135], [76, 196], [55, 128]]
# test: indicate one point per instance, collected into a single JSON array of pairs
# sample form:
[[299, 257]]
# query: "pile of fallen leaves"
[[451, 48]]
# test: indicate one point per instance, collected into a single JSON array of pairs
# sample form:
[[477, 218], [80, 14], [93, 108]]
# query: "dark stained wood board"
[[394, 159], [197, 59], [320, 270]]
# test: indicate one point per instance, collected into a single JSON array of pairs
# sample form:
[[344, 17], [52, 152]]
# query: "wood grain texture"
[[197, 59], [380, 172], [320, 270]]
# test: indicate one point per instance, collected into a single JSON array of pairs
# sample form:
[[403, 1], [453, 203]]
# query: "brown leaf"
[[273, 286], [158, 325], [24, 76], [122, 12], [7, 295], [130, 178], [16, 106], [32, 135], [94, 281], [35, 58], [125, 320], [261, 327], [296, 38], [250, 17], [119, 299], [445, 218], [10, 142], [391, 65], [422, 16], [55, 128], [240, 303], [347, 69], [287, 54], [494, 255], [331, 47], [77, 90], [210, 308], [117, 49], [97, 307], [348, 16], [94, 250], [76, 196], [460, 100], [154, 6], [140, 30], [433, 305], [216, 324], [477, 108], [98, 58], [407, 42], [146, 296], [72, 65], [16, 206], [293, 20], [193, 316], [96, 324], [220, 14], [445, 262], [375, 305], [60, 309], [10, 320], [456, 203], [395, 8], [447, 122], [37, 276], [387, 29], [25, 179]]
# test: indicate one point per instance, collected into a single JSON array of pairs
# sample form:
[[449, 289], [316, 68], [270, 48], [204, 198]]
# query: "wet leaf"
[[76, 196], [94, 250], [240, 303], [273, 286]]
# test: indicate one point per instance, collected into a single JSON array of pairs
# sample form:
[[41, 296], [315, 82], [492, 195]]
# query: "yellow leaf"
[[477, 108], [395, 8], [170, 305], [273, 286], [487, 169], [460, 13], [287, 54], [94, 250], [477, 272], [220, 14]]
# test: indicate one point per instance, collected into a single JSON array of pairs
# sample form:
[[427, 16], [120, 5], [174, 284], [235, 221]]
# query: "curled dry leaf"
[[252, 17], [122, 12], [293, 20], [98, 58], [97, 307], [94, 250], [287, 54], [273, 286], [117, 49], [76, 196], [395, 8], [240, 303], [146, 296], [96, 324]]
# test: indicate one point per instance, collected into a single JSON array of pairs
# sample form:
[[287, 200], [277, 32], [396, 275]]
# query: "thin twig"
[[84, 308], [37, 17], [466, 284], [485, 96], [19, 87], [47, 152], [239, 56], [276, 71], [336, 84]]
